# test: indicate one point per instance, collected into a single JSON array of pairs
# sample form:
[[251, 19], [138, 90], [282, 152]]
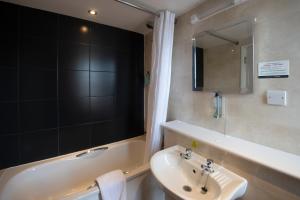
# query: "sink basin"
[[185, 179]]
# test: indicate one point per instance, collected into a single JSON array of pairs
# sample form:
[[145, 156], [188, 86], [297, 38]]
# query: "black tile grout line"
[[57, 83], [64, 98], [19, 128], [8, 68], [40, 37], [91, 44], [38, 100], [39, 69], [72, 42], [10, 101], [87, 123], [88, 70], [9, 134], [76, 70], [104, 71], [35, 131], [90, 103], [96, 44], [104, 96]]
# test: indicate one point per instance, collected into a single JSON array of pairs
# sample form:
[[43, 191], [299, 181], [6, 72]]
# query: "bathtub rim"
[[138, 138]]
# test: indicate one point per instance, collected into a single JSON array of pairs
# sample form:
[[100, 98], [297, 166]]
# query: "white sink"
[[178, 175]]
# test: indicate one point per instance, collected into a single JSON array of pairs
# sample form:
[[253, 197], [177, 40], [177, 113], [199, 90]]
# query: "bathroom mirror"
[[223, 59]]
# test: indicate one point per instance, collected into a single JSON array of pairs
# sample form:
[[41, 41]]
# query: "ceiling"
[[111, 12]]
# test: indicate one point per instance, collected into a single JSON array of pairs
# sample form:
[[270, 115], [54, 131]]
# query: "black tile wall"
[[66, 84], [102, 83], [37, 23], [36, 115], [8, 51], [74, 111], [8, 36], [38, 145], [75, 138], [74, 56], [102, 108], [38, 84], [38, 53], [74, 83], [8, 117], [8, 85], [75, 30], [103, 133], [104, 36], [9, 151], [104, 59]]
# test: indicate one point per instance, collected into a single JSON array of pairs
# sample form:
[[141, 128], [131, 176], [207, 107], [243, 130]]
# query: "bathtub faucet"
[[91, 151], [187, 155]]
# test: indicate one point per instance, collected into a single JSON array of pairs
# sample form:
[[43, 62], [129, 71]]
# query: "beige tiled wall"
[[276, 37]]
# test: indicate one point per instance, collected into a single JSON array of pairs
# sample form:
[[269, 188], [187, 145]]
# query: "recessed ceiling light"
[[92, 12]]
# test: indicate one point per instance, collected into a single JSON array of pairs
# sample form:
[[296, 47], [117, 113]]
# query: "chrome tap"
[[208, 167], [187, 155]]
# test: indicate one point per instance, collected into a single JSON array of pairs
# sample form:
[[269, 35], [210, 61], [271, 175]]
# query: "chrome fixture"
[[187, 155], [206, 170], [143, 8], [208, 167], [139, 7], [218, 106], [91, 151]]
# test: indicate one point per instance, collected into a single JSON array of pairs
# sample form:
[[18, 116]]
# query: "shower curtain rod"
[[137, 7]]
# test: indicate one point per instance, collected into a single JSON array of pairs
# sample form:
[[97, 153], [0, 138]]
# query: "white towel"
[[112, 185]]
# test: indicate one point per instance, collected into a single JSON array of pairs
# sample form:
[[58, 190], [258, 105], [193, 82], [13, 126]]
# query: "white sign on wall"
[[274, 69]]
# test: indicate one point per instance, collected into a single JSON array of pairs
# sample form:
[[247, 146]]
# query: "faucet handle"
[[188, 150], [187, 155], [209, 162], [208, 167]]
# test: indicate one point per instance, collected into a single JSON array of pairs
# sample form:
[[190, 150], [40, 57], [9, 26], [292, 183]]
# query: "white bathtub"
[[72, 177]]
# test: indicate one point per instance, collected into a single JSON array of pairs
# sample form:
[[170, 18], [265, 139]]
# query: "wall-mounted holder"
[[218, 105], [147, 79]]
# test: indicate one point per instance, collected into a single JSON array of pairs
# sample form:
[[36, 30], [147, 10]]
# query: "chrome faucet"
[[208, 167], [187, 155]]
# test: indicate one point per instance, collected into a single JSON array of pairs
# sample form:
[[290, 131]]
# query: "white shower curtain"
[[158, 96]]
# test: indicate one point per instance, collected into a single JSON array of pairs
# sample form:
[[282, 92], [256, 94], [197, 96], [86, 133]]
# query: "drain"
[[204, 190], [187, 188]]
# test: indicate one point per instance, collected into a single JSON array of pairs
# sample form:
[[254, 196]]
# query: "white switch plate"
[[277, 97]]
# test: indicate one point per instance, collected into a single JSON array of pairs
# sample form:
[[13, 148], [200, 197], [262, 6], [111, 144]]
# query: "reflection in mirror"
[[223, 59]]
